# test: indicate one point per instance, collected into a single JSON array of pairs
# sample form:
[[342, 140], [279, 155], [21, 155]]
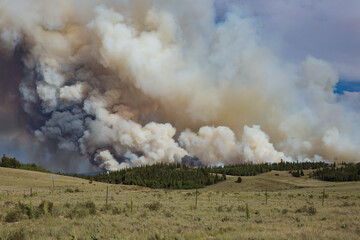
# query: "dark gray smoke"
[[191, 162]]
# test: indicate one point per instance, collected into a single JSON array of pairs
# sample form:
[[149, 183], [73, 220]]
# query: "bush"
[[23, 211], [219, 208], [90, 205], [13, 216], [69, 190], [153, 206], [116, 211], [83, 209], [168, 214], [45, 208], [241, 208], [296, 174], [78, 213], [291, 196], [17, 235], [239, 180], [311, 210]]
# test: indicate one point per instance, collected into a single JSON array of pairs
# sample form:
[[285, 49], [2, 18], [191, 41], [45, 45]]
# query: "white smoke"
[[129, 83]]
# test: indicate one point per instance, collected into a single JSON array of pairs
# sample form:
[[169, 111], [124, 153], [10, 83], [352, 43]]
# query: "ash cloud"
[[128, 83]]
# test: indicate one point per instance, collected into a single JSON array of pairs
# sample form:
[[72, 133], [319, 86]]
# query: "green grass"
[[221, 213]]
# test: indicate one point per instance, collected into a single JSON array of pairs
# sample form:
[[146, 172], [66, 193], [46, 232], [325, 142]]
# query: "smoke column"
[[128, 83]]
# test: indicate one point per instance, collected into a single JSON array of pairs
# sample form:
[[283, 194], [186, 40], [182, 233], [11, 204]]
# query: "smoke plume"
[[128, 83]]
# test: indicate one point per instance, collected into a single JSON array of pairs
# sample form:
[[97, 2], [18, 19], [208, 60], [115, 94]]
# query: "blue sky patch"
[[348, 86]]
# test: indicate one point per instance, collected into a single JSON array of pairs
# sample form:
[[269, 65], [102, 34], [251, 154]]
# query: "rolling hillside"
[[293, 211]]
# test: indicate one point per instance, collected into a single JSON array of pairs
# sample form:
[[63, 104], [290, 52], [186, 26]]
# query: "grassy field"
[[293, 211]]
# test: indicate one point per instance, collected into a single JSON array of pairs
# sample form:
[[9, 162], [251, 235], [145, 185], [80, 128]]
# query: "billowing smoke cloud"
[[129, 83]]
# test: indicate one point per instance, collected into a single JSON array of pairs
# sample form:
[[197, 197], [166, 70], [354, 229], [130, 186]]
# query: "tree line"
[[179, 176], [250, 169], [166, 176], [8, 162], [347, 172]]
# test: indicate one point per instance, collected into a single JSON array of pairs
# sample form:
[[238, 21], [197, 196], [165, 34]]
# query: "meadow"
[[296, 208]]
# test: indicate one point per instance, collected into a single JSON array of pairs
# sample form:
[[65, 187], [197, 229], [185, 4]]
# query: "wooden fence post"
[[323, 197], [107, 195], [196, 198], [266, 195]]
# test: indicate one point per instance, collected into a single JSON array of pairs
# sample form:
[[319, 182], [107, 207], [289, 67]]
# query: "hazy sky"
[[326, 29]]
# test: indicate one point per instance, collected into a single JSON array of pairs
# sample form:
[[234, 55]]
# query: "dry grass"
[[221, 212]]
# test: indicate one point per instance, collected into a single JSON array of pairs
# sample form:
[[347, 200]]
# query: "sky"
[[325, 29]]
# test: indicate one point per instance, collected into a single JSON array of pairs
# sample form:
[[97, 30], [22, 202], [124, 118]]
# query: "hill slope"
[[293, 211]]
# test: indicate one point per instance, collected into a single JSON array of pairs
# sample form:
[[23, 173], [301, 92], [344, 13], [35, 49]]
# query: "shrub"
[[219, 208], [296, 174], [239, 180], [105, 208], [291, 196], [78, 213], [229, 209], [31, 211], [155, 206], [241, 208], [13, 216], [311, 210], [116, 211], [45, 208], [326, 195], [168, 214], [90, 205], [83, 209], [17, 235], [69, 190], [22, 211], [94, 237]]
